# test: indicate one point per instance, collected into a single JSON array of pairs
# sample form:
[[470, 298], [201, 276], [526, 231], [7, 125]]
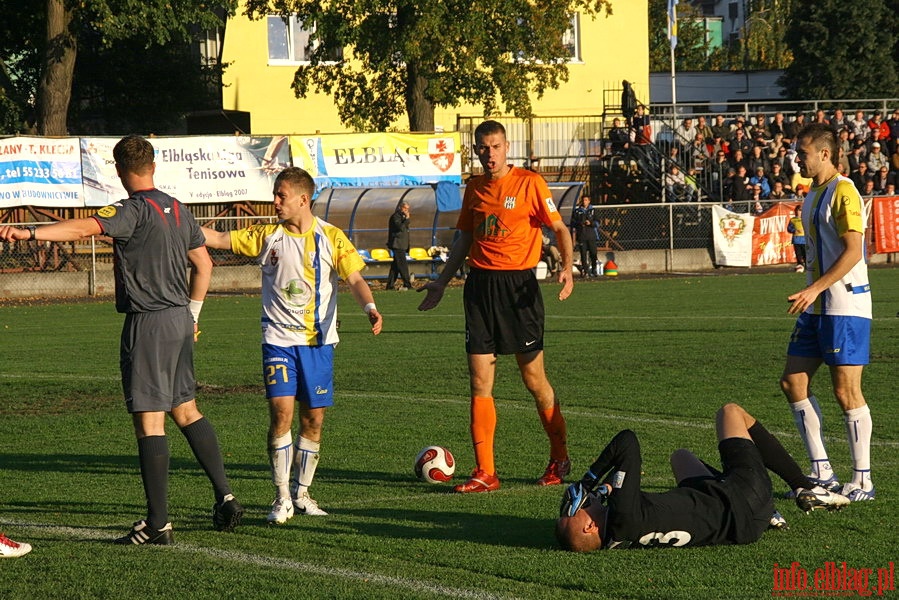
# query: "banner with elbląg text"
[[379, 159]]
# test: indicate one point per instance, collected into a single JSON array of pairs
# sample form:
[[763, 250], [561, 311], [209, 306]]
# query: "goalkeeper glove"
[[577, 493]]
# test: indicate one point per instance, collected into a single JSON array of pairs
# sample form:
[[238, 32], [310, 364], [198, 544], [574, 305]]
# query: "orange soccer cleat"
[[480, 481]]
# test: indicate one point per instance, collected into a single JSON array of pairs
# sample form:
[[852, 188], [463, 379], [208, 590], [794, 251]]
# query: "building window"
[[289, 42], [571, 39], [571, 42]]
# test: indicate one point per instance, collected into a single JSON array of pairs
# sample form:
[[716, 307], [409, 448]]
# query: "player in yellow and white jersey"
[[301, 259], [834, 323]]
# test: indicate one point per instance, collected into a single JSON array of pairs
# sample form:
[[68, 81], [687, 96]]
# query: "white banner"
[[192, 169], [732, 235], [40, 171]]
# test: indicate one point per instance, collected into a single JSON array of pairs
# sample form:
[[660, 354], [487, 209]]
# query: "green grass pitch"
[[655, 355]]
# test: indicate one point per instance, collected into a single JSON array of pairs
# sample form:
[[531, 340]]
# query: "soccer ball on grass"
[[435, 464]]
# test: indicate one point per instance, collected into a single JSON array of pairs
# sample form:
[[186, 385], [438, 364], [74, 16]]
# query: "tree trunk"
[[418, 107], [55, 90]]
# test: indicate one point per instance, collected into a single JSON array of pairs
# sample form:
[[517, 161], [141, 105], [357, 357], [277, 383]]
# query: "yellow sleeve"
[[848, 209], [249, 241], [346, 258]]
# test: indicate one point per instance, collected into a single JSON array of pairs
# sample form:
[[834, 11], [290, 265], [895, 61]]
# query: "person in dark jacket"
[[398, 241]]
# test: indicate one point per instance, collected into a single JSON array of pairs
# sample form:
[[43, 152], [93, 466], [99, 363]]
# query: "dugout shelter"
[[363, 213]]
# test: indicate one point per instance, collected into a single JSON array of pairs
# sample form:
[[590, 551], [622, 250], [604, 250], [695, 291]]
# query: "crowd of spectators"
[[754, 161]]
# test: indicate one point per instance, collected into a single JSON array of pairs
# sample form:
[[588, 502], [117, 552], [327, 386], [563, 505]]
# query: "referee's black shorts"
[[503, 312]]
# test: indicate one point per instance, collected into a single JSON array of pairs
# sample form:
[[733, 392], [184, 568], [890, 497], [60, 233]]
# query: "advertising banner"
[[40, 171], [732, 236], [772, 244], [886, 224], [192, 169], [379, 159]]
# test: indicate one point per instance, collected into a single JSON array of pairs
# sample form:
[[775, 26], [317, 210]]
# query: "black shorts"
[[503, 312], [748, 486], [156, 356]]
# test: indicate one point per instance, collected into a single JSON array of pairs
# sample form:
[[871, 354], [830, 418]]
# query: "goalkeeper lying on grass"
[[607, 508]]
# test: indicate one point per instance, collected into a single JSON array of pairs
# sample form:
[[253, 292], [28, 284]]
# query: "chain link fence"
[[679, 234]]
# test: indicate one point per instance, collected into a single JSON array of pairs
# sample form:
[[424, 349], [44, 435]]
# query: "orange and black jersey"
[[505, 216]]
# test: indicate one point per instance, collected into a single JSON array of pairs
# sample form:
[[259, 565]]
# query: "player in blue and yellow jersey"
[[500, 231], [301, 258], [797, 230], [834, 324]]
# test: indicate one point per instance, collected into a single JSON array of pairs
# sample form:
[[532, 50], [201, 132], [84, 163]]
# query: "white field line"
[[271, 562], [698, 424], [62, 376]]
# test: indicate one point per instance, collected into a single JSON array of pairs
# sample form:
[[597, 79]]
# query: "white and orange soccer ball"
[[435, 464]]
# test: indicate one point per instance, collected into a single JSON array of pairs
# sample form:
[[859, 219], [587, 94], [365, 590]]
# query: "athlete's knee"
[[848, 397], [792, 386], [186, 414], [731, 408]]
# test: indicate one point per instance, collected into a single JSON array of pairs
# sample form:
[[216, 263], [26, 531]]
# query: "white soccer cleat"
[[856, 493], [819, 498], [11, 549], [282, 511], [777, 521], [305, 505]]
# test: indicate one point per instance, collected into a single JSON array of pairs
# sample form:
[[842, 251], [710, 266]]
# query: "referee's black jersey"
[[152, 234]]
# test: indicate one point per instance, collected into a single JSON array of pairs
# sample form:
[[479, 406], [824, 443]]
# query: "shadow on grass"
[[445, 526]]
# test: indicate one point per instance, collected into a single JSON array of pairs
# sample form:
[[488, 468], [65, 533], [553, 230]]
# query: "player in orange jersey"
[[500, 232]]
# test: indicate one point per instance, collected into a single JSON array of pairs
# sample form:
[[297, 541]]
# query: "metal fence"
[[84, 268]]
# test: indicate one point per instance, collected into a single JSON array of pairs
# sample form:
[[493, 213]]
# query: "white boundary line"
[[273, 562]]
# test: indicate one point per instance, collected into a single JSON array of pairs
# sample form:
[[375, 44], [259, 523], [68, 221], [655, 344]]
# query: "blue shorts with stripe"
[[837, 340], [306, 372]]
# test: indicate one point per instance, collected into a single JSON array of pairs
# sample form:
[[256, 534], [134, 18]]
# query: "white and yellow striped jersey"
[[299, 279], [828, 213]]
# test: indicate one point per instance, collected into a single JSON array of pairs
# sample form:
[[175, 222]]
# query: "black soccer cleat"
[[142, 533], [226, 514], [809, 500]]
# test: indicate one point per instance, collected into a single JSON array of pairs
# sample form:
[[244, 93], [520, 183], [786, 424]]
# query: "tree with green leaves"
[[410, 56], [841, 50], [693, 48], [760, 44], [43, 38]]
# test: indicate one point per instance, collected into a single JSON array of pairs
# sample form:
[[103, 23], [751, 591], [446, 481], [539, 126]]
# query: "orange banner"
[[772, 244], [886, 224]]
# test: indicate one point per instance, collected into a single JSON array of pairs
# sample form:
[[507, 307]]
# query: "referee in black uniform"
[[155, 240]]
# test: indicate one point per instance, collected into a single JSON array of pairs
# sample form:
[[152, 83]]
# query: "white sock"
[[807, 415], [858, 432], [280, 454], [305, 462]]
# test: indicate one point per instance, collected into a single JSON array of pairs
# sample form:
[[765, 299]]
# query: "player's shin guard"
[[483, 429], [858, 433], [557, 431], [807, 415], [153, 453], [280, 456], [204, 443], [305, 463], [777, 459]]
